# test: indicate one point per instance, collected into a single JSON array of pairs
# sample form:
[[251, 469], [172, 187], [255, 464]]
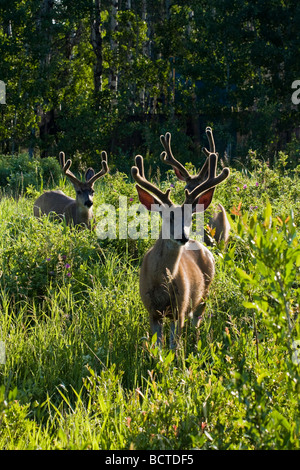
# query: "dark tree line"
[[92, 74]]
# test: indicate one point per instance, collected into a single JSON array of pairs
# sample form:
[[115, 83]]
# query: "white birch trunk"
[[113, 73], [96, 41], [145, 53]]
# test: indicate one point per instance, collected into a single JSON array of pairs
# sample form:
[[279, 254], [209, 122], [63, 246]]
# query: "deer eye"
[[79, 192]]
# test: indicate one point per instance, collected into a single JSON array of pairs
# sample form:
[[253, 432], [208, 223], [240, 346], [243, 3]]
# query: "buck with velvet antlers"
[[218, 223], [75, 211], [177, 271]]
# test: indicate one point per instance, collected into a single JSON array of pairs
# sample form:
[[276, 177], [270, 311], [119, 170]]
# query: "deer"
[[176, 273], [75, 211], [218, 223]]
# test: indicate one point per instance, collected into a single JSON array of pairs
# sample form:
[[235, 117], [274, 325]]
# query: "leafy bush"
[[18, 172], [47, 255]]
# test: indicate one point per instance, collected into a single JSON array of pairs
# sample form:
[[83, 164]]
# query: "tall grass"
[[81, 368]]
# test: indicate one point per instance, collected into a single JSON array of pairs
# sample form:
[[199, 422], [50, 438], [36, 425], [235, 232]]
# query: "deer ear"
[[179, 175], [146, 198], [89, 174], [203, 201]]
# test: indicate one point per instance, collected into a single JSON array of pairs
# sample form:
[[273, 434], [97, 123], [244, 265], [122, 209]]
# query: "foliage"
[[178, 64], [82, 371], [19, 173]]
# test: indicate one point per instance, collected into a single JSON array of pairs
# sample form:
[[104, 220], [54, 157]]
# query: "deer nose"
[[184, 239], [88, 203]]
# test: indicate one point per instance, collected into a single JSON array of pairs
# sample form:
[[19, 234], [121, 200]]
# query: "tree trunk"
[[113, 70], [45, 33], [44, 24], [145, 53], [96, 41]]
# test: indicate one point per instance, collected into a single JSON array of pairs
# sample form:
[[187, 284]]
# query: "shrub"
[[19, 172]]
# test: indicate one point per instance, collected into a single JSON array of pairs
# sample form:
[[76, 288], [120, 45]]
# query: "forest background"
[[78, 366], [115, 74]]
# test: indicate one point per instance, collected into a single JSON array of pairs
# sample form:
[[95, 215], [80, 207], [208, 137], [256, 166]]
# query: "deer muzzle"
[[88, 203]]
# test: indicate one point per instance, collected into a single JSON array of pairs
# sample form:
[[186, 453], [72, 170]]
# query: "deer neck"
[[167, 254], [83, 214]]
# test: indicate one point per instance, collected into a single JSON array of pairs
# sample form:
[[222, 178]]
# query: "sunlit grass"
[[81, 369]]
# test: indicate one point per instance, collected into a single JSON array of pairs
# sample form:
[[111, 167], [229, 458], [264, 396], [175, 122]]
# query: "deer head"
[[218, 222], [197, 199], [84, 189]]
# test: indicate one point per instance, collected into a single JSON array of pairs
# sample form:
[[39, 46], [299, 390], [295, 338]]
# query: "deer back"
[[219, 226], [54, 202]]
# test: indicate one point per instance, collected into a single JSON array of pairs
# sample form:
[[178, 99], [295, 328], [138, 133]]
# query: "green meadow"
[[79, 368]]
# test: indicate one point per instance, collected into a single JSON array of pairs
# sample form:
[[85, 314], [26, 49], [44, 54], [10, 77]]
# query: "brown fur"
[[62, 206], [174, 281], [220, 227], [174, 278]]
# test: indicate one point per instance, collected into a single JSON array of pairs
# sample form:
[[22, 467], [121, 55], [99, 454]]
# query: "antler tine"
[[212, 149], [103, 170], [209, 133], [211, 182], [65, 165], [104, 156], [167, 157], [139, 161], [139, 176], [201, 173], [211, 141], [61, 158]]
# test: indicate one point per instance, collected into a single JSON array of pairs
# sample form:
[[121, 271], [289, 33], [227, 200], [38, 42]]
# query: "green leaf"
[[169, 358], [281, 420], [261, 377], [243, 275], [249, 305], [268, 215]]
